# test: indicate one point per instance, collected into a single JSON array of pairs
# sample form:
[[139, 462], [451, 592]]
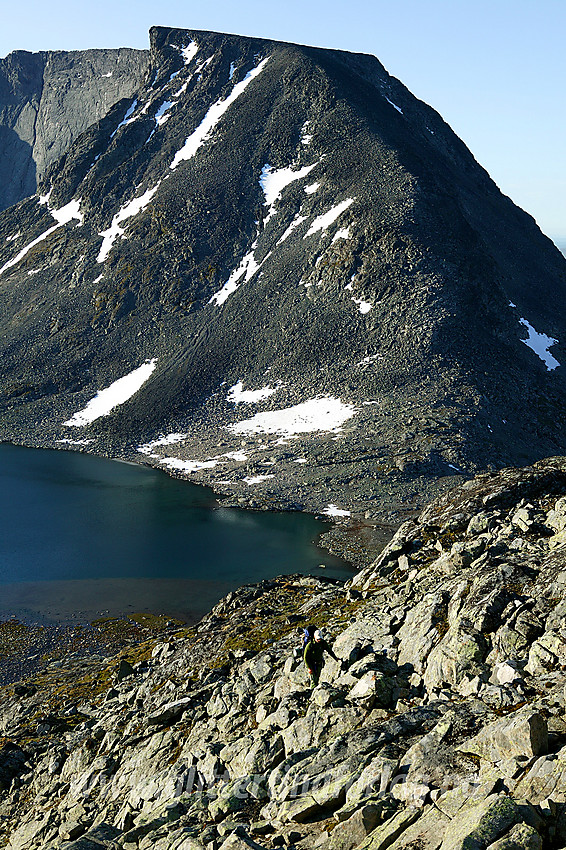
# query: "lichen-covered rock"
[[461, 652], [520, 837], [457, 759], [523, 733], [545, 780], [478, 824]]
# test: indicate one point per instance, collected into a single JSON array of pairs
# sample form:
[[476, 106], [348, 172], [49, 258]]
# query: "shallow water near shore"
[[82, 536]]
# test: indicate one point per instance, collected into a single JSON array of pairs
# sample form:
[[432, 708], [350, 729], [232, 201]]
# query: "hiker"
[[314, 656], [307, 634]]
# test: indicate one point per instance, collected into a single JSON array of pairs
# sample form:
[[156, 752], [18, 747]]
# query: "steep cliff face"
[[47, 99], [275, 271]]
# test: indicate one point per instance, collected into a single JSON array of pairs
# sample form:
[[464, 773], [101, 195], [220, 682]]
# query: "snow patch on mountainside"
[[394, 105], [295, 223], [318, 414], [256, 479], [248, 267], [114, 395], [188, 465], [274, 181], [212, 117], [540, 343], [129, 210], [239, 395], [167, 440], [127, 119], [363, 306], [162, 114], [333, 510], [62, 216], [189, 52], [323, 222]]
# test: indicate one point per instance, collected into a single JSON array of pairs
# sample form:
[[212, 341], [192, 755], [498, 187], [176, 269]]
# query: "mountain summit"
[[273, 270]]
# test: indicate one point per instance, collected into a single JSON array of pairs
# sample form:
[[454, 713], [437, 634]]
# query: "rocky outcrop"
[[48, 99], [280, 274], [210, 738]]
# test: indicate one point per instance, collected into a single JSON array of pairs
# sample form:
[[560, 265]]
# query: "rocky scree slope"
[[442, 725], [275, 271], [48, 99]]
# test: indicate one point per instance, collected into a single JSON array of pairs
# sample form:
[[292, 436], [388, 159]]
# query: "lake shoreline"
[[86, 537]]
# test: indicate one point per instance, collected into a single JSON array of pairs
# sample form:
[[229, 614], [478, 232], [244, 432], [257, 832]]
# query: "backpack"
[[308, 635]]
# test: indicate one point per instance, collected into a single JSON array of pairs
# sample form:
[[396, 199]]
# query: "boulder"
[[546, 779], [373, 688], [124, 670], [461, 652], [556, 518], [12, 763], [523, 733], [478, 824], [375, 778], [420, 630], [546, 653], [506, 673], [238, 842], [520, 837], [349, 833], [387, 834], [169, 713]]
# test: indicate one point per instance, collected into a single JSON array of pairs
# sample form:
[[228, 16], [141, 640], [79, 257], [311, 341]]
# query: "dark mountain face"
[[48, 99], [273, 270]]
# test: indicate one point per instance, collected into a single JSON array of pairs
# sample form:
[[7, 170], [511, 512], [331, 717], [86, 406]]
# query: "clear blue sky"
[[496, 71]]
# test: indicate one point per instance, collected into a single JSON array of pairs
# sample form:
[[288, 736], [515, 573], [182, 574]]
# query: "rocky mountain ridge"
[[440, 726], [48, 99], [274, 271]]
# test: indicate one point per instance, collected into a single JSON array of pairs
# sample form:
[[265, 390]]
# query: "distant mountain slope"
[[47, 99], [274, 270]]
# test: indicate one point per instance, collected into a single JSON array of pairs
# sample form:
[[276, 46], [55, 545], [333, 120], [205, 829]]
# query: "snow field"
[[318, 414], [116, 394], [540, 343], [62, 216], [238, 395], [132, 208], [323, 222], [212, 117]]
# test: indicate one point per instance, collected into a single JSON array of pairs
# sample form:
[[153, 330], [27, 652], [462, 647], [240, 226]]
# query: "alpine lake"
[[85, 537]]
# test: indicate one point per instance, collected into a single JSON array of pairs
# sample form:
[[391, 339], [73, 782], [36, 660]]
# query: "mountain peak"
[[292, 222]]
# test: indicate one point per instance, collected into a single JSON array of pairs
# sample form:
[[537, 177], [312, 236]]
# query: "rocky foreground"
[[447, 729]]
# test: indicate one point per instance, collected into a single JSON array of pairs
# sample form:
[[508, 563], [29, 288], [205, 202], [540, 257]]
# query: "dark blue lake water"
[[82, 536]]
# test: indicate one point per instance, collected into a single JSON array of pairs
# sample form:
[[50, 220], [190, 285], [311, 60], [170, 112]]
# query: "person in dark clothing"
[[314, 656]]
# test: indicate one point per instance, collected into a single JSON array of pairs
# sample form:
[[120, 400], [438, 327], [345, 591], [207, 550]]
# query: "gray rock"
[[523, 733], [349, 833], [124, 670], [520, 837], [48, 99], [169, 713]]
